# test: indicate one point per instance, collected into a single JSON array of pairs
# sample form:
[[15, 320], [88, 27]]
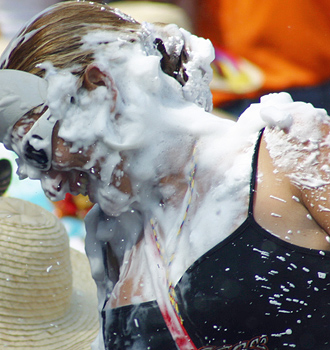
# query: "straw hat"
[[47, 299]]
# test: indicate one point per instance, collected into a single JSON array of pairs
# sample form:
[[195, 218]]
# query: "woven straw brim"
[[75, 331], [69, 323]]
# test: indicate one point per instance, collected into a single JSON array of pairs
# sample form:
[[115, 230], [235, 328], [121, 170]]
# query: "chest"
[[252, 285]]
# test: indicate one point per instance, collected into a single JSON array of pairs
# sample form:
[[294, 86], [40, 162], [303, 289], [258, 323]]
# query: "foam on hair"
[[57, 35]]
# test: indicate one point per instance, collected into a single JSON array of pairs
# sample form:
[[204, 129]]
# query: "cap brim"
[[19, 93]]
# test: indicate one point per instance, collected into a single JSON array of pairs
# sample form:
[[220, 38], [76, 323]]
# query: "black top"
[[251, 291]]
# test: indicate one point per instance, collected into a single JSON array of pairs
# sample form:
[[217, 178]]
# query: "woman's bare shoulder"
[[301, 153]]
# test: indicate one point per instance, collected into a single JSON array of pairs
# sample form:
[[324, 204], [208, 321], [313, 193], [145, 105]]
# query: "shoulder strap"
[[254, 172], [165, 294]]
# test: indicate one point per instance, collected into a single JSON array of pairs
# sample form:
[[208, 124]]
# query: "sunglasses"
[[37, 142]]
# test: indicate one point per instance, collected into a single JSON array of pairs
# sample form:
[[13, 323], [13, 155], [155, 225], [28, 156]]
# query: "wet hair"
[[56, 36]]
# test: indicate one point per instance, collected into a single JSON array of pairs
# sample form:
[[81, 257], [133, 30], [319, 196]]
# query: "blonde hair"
[[56, 36]]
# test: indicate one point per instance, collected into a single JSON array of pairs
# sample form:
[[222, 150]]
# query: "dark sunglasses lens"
[[37, 158]]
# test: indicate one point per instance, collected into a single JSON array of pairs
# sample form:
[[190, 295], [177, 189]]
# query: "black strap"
[[254, 172]]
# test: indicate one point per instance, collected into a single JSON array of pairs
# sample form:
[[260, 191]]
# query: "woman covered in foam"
[[206, 233]]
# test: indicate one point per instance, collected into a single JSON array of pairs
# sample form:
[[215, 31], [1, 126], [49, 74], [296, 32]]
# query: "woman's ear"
[[93, 78]]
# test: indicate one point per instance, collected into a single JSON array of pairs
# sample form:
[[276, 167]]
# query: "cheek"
[[62, 157], [61, 154]]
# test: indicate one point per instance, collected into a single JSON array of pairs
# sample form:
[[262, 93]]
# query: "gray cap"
[[19, 93]]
